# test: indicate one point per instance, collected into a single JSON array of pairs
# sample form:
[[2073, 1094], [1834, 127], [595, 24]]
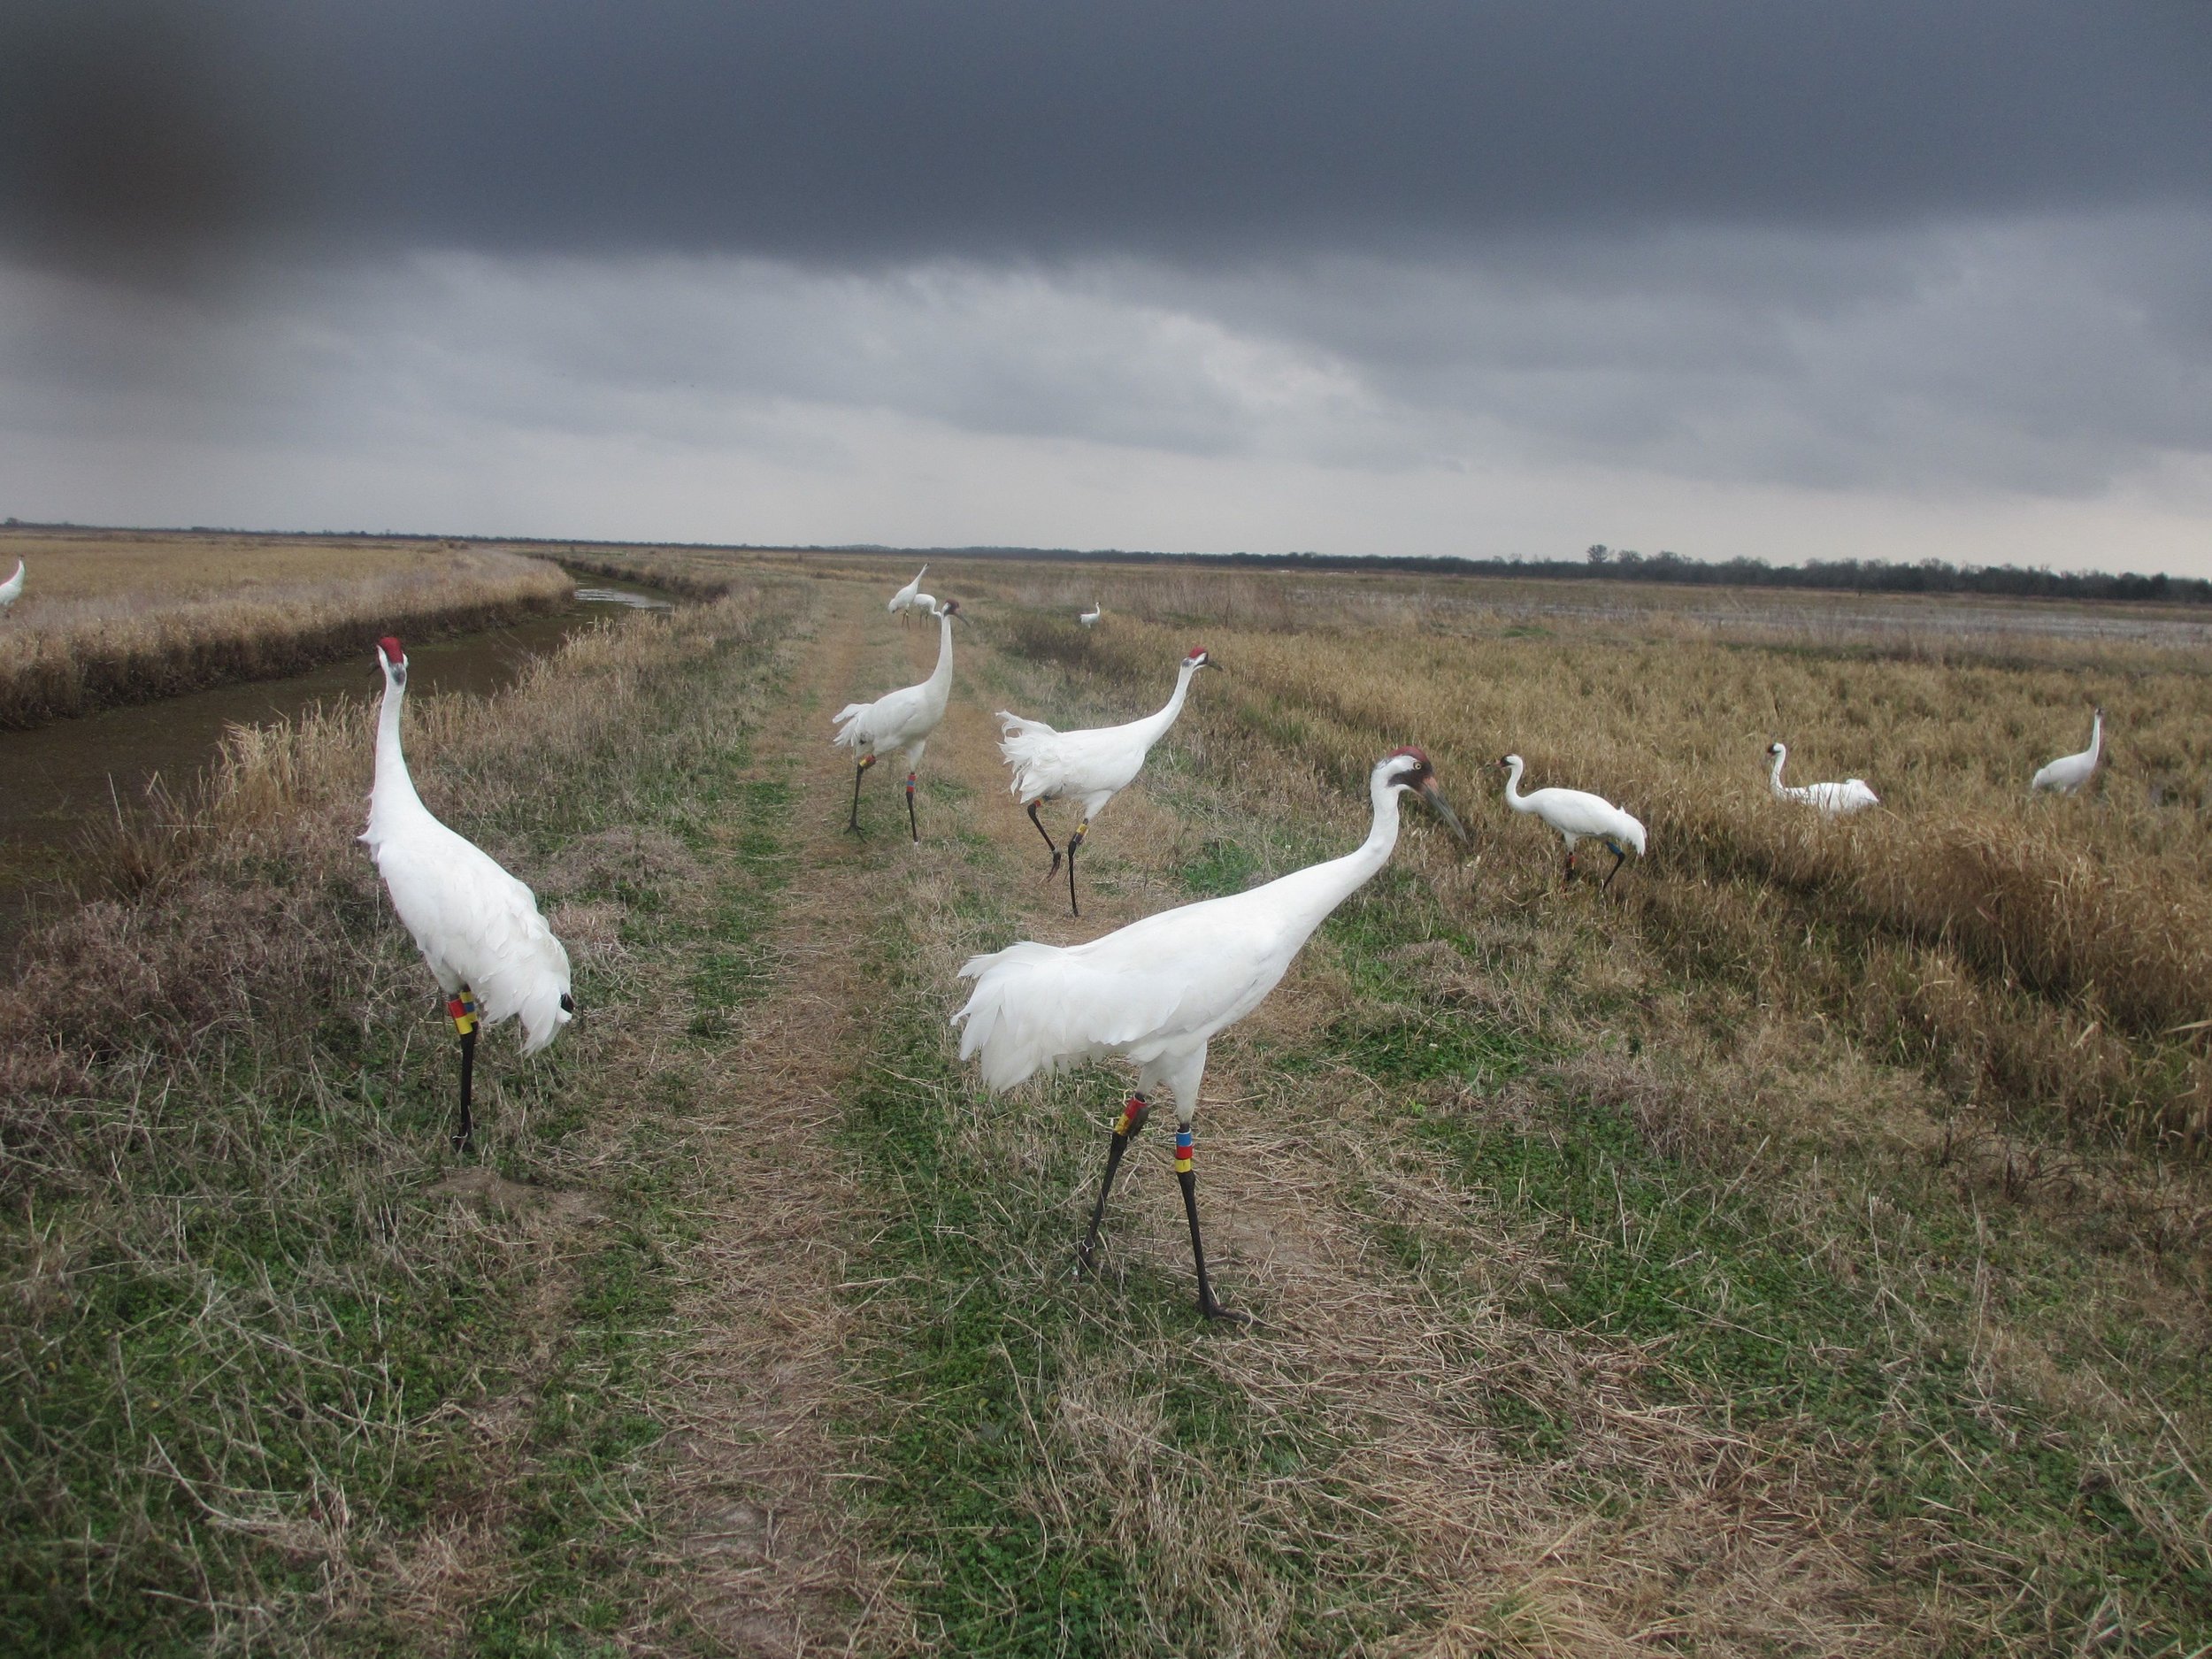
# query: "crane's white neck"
[[940, 680], [2096, 736], [1774, 772], [393, 790], [1513, 766]]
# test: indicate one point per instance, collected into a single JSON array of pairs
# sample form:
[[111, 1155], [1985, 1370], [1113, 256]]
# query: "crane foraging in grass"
[[2070, 772], [1157, 992], [1830, 800], [905, 599], [1577, 816], [901, 719], [11, 589], [477, 927], [1091, 766], [1089, 618]]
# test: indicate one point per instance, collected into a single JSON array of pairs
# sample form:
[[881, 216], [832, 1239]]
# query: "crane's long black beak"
[[1442, 808]]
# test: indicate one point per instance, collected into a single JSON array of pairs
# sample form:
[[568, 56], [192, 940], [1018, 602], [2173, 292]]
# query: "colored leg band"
[[462, 1008], [1130, 1112], [1183, 1151]]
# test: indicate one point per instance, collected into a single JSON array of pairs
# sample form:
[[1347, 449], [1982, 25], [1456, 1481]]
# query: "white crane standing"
[[2070, 772], [11, 589], [1091, 766], [1089, 618], [1830, 800], [901, 719], [477, 927], [905, 600], [1155, 993], [1577, 815]]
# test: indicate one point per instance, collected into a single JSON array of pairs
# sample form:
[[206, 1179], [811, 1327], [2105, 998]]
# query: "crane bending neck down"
[[1157, 992]]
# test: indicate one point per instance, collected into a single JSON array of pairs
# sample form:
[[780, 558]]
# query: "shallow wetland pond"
[[58, 781]]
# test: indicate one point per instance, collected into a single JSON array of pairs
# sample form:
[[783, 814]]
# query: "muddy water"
[[59, 780]]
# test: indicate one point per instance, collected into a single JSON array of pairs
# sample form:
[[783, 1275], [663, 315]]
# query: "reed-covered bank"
[[274, 1376], [105, 623]]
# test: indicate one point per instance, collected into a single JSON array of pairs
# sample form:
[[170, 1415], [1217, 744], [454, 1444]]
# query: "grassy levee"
[[108, 620], [277, 1372], [1795, 1349]]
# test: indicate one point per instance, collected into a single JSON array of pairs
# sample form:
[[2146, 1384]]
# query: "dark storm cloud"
[[989, 129]]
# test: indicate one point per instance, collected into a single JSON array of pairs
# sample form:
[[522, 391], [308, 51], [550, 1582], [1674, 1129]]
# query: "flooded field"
[[57, 780]]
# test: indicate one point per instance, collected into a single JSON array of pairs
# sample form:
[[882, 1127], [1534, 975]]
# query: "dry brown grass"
[[112, 618], [2037, 953]]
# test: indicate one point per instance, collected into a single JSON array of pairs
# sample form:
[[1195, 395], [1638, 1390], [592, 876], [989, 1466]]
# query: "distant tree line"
[[1928, 576]]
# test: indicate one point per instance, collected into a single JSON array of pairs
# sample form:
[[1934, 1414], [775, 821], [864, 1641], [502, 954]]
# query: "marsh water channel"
[[58, 781]]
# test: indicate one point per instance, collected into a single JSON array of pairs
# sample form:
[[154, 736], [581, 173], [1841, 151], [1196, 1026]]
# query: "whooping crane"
[[901, 719], [2069, 772], [904, 600], [1155, 993], [477, 927], [1831, 800], [1089, 618], [1575, 814], [11, 589], [1091, 766]]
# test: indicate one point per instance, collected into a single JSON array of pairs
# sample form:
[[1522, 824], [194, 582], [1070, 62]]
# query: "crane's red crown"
[[1195, 650], [392, 649], [1408, 749]]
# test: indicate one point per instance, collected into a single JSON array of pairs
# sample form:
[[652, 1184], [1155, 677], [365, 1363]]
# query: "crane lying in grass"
[[1157, 992], [907, 598], [2069, 772], [477, 927], [1576, 815], [1830, 800], [901, 719], [1091, 766], [11, 589]]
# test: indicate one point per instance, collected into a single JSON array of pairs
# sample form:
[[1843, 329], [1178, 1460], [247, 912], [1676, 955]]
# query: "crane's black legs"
[[913, 825], [462, 1008], [1074, 841], [1570, 876], [1133, 1114], [1047, 833], [1188, 1178], [859, 772], [1619, 858]]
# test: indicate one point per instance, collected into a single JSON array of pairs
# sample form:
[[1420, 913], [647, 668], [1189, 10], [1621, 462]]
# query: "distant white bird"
[[1091, 766], [904, 600], [1089, 618], [1831, 800], [1576, 815], [900, 719], [1155, 993], [926, 604], [2069, 772], [477, 926], [11, 589]]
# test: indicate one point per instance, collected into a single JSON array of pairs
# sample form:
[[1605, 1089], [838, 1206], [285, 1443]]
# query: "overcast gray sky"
[[1872, 279]]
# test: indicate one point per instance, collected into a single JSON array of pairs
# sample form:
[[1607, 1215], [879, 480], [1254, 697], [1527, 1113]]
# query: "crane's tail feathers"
[[1037, 1008]]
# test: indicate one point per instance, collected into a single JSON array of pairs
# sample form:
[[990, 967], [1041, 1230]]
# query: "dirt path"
[[776, 1566]]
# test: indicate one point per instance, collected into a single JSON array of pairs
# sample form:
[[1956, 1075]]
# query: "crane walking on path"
[[11, 589], [2069, 772], [477, 927], [1830, 800], [901, 719], [1157, 992], [907, 597], [1091, 766], [1089, 618], [1576, 815]]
